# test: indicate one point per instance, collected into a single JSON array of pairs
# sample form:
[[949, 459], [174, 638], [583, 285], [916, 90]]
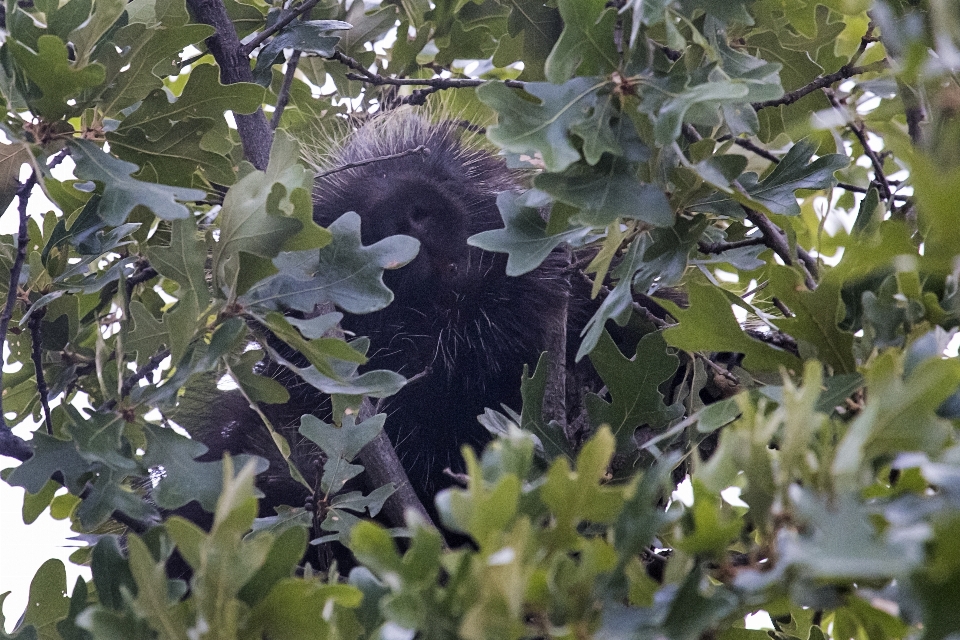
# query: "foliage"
[[793, 168]]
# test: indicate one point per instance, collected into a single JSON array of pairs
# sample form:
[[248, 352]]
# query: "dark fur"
[[456, 317]]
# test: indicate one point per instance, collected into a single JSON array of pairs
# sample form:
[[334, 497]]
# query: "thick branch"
[[382, 466], [255, 133]]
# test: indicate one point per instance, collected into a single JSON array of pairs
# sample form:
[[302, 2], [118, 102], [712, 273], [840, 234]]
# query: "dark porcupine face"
[[455, 315]]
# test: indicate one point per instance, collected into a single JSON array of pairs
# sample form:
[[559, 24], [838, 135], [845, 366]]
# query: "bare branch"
[[36, 354], [286, 17], [382, 466], [284, 96], [255, 133], [879, 177], [846, 71], [720, 247], [776, 239], [418, 150], [23, 237], [128, 384]]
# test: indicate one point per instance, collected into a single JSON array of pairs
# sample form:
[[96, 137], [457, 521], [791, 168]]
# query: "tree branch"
[[148, 367], [720, 247], [776, 239], [418, 150], [23, 237], [879, 177], [365, 75], [382, 466], [36, 354], [846, 71], [286, 17], [255, 133], [284, 96]]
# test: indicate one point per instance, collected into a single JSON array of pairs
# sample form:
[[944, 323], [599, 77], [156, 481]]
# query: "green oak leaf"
[[880, 431], [148, 333], [184, 479], [176, 155], [202, 97], [775, 194], [714, 524], [524, 237], [147, 50], [289, 610], [183, 260], [607, 192], [121, 193], [838, 539], [107, 494], [309, 36], [542, 129], [341, 445], [99, 439], [658, 258], [48, 602], [257, 211], [344, 272], [50, 455], [816, 316], [709, 325], [57, 80], [85, 36], [154, 601], [12, 157], [225, 559], [281, 563], [532, 391], [378, 384], [62, 20], [585, 47], [706, 98], [342, 442], [633, 384], [532, 30], [726, 10]]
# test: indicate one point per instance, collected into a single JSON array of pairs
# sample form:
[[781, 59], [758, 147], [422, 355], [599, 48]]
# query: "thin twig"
[[286, 18], [843, 73], [766, 155], [419, 150], [36, 354], [720, 247], [860, 131], [436, 83], [128, 383], [284, 96], [23, 237], [776, 239]]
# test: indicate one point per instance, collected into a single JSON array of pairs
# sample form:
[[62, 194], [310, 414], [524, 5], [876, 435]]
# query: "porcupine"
[[458, 323]]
